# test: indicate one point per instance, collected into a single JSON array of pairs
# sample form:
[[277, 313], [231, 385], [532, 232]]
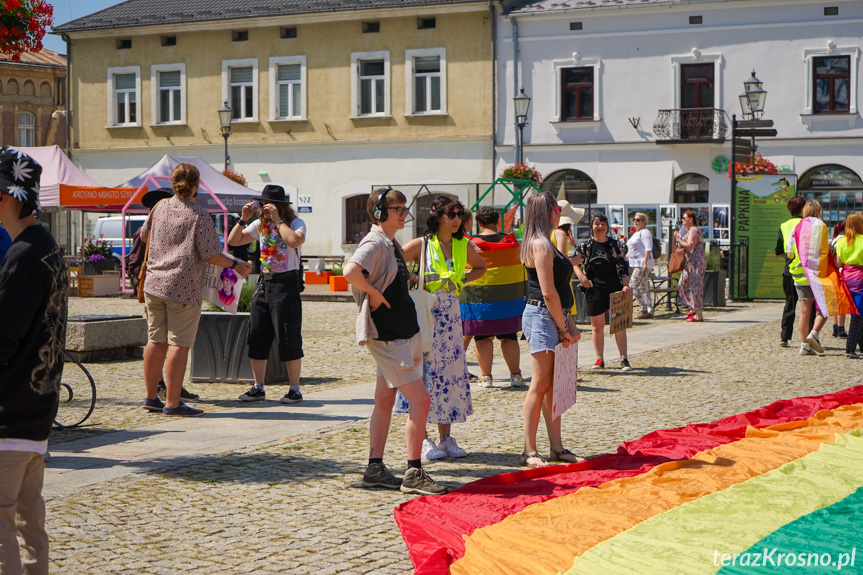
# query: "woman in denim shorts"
[[546, 322]]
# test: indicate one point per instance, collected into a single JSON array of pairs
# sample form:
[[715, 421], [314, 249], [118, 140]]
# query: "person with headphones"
[[451, 262], [387, 326]]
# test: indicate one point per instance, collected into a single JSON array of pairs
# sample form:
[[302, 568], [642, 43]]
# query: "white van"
[[109, 229]]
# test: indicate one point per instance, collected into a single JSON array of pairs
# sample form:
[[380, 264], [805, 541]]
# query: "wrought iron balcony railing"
[[690, 125]]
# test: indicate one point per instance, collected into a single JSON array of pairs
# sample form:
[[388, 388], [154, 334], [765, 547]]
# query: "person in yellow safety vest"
[[792, 269], [451, 261], [809, 344]]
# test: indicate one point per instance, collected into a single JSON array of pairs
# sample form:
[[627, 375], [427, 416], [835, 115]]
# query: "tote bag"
[[424, 302], [676, 261]]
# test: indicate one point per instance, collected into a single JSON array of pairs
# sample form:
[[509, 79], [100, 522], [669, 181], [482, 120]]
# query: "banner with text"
[[86, 196]]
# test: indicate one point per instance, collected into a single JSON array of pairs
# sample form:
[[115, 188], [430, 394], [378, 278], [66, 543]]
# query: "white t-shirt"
[[638, 245], [289, 259]]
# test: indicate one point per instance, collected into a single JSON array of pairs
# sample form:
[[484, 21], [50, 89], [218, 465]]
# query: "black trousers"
[[855, 334], [789, 312], [276, 312]]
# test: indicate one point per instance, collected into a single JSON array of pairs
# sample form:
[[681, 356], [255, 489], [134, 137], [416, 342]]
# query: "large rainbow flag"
[[494, 303], [828, 287], [775, 490]]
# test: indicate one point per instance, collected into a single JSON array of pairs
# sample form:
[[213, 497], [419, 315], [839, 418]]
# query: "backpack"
[[657, 248]]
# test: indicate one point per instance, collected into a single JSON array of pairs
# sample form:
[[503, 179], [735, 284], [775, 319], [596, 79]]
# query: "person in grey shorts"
[[387, 326]]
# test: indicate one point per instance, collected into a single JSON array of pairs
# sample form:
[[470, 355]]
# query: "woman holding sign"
[[546, 322]]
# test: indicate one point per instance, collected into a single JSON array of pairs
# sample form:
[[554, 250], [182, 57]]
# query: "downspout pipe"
[[68, 94], [515, 80], [494, 94]]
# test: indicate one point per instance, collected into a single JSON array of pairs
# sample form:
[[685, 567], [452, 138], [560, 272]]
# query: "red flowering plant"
[[521, 171], [22, 26], [757, 166], [236, 176]]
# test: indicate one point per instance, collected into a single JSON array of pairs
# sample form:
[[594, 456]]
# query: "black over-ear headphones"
[[381, 213]]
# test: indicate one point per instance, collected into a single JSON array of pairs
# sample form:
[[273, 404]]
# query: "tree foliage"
[[22, 26]]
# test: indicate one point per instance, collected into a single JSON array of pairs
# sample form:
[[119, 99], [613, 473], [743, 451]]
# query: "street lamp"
[[753, 97], [225, 117], [522, 104]]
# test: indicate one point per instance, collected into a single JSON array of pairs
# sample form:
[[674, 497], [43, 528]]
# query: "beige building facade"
[[33, 100], [325, 104]]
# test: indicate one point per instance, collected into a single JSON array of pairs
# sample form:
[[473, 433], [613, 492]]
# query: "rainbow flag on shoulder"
[[493, 304], [828, 287]]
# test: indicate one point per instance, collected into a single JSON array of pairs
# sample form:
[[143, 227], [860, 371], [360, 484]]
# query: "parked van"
[[109, 229]]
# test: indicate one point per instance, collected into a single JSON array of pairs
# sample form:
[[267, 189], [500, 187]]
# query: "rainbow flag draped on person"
[[780, 488], [493, 304], [828, 288]]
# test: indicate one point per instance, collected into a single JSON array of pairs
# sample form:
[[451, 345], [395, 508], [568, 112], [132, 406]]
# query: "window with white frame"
[[371, 83], [577, 92], [168, 83], [26, 130], [241, 88], [287, 88], [123, 96], [425, 80], [831, 80]]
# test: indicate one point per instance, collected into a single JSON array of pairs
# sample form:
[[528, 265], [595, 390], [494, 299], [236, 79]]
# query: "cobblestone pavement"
[[294, 505]]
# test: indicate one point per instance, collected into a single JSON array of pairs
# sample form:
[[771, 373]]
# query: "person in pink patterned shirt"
[[182, 240]]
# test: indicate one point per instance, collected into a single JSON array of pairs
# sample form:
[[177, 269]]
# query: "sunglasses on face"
[[453, 214]]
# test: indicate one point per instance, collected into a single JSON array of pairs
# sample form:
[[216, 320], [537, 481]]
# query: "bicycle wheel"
[[77, 394]]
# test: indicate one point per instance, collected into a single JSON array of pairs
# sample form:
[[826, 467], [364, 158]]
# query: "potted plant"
[[220, 353], [235, 176], [521, 171], [96, 256]]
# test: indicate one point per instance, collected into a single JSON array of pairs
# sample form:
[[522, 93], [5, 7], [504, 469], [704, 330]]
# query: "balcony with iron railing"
[[690, 125]]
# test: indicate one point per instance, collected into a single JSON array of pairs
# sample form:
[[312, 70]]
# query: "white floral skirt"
[[445, 367]]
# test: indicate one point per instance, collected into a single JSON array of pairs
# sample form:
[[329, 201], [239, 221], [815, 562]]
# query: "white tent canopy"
[[232, 194], [57, 169]]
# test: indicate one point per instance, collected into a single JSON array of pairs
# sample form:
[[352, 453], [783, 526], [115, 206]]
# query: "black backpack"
[[657, 248]]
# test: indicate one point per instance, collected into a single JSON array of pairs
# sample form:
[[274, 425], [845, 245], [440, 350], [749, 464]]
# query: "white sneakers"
[[486, 381], [516, 380], [446, 448], [812, 339]]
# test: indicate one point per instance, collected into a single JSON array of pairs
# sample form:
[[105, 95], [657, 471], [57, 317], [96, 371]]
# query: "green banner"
[[759, 211]]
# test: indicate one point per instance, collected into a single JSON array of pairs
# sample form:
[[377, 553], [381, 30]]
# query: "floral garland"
[[270, 253], [757, 165], [22, 26], [521, 171]]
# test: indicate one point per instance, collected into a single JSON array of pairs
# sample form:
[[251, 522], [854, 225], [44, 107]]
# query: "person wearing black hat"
[[33, 309], [276, 309]]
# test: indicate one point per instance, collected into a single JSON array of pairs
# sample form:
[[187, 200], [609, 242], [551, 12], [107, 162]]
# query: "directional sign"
[[756, 133], [755, 124], [742, 150]]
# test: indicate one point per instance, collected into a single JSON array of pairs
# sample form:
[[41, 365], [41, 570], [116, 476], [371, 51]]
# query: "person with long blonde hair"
[[810, 343], [546, 322], [849, 256]]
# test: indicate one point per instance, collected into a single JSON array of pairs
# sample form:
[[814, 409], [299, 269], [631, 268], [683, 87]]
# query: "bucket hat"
[[568, 214], [19, 177]]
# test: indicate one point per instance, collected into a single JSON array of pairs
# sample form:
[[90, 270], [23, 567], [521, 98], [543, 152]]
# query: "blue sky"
[[66, 10]]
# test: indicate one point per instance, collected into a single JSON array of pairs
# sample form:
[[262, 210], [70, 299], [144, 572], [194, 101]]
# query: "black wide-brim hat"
[[153, 197], [273, 193]]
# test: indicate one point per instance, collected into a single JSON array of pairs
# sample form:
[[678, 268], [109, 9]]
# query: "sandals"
[[472, 378], [525, 460], [559, 456]]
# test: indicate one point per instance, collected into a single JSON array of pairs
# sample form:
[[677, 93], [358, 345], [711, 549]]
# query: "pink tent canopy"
[[57, 169]]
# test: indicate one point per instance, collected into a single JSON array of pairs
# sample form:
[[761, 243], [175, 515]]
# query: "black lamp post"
[[225, 117], [522, 105]]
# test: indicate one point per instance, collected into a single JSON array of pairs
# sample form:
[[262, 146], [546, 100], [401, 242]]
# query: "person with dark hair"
[[792, 269], [276, 310], [838, 320], [849, 256], [387, 326], [33, 309], [451, 261], [497, 250], [691, 283], [606, 270], [182, 241], [547, 322]]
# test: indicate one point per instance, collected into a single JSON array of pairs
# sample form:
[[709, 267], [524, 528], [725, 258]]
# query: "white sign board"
[[222, 287], [565, 378]]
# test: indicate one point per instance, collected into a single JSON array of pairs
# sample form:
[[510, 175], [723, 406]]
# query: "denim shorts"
[[539, 329]]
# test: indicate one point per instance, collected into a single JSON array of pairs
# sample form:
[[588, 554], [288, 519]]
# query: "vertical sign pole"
[[732, 260]]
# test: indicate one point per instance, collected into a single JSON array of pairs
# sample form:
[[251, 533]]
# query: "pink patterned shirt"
[[183, 237]]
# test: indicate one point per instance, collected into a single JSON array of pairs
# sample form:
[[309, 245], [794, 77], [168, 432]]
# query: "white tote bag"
[[424, 302]]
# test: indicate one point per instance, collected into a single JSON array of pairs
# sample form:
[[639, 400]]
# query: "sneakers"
[[486, 381], [153, 404], [516, 380], [852, 355], [292, 397], [430, 450], [624, 364], [783, 343], [254, 394], [418, 481], [450, 448], [183, 410], [377, 475], [598, 365], [812, 339], [805, 349], [162, 390], [842, 333]]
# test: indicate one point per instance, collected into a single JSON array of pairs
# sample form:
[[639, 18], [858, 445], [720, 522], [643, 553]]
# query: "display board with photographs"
[[722, 224], [669, 220], [616, 221], [702, 217]]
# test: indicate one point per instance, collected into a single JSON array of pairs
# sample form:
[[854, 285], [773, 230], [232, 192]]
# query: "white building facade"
[[632, 101]]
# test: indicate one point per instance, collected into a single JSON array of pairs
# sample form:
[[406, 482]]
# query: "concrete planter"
[[714, 288], [220, 353]]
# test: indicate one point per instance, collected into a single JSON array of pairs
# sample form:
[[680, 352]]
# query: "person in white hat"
[[561, 236]]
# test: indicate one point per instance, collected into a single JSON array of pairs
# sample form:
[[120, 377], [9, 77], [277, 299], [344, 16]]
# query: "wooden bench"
[[664, 290]]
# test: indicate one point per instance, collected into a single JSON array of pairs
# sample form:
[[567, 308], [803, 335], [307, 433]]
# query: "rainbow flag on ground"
[[494, 303], [828, 288], [775, 490]]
